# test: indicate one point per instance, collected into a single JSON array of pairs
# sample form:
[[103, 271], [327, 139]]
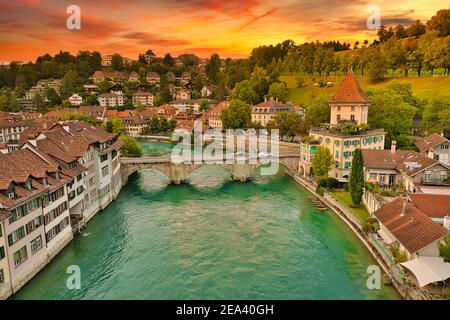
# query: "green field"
[[423, 87], [345, 198]]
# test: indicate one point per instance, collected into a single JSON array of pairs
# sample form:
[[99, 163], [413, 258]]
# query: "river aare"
[[211, 239]]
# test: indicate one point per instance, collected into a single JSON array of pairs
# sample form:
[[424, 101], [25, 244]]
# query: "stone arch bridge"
[[178, 173]]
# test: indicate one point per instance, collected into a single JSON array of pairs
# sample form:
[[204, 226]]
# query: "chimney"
[[447, 222], [393, 146], [404, 209], [265, 98], [431, 153]]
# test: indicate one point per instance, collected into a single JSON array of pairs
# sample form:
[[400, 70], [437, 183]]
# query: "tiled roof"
[[90, 133], [414, 230], [407, 161], [19, 165], [216, 111], [349, 91], [424, 144], [433, 205]]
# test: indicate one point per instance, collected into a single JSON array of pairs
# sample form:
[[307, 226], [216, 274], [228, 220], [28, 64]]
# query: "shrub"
[[328, 183], [320, 190], [399, 255], [370, 225]]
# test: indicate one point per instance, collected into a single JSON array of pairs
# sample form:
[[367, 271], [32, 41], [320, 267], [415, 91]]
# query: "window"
[[105, 171], [20, 256], [34, 224], [56, 212], [347, 164], [1, 232], [353, 108], [2, 276], [16, 236], [57, 229], [338, 117], [103, 157], [2, 252], [36, 244], [427, 176], [337, 154], [382, 178], [352, 117]]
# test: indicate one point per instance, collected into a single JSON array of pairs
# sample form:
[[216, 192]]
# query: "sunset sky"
[[29, 28]]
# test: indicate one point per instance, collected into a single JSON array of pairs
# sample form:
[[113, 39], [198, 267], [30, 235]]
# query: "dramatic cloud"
[[29, 28]]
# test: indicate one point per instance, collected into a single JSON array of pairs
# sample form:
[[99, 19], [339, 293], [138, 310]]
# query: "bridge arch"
[[193, 168]]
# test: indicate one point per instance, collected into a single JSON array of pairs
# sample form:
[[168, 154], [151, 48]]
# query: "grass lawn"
[[423, 87], [345, 198]]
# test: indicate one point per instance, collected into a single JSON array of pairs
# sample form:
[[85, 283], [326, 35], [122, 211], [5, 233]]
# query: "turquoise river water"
[[211, 239]]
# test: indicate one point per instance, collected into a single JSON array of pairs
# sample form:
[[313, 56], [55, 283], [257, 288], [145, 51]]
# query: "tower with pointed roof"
[[349, 104]]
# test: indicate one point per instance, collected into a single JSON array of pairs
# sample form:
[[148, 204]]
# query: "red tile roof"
[[424, 144], [433, 205], [349, 91], [414, 230], [407, 161], [216, 111]]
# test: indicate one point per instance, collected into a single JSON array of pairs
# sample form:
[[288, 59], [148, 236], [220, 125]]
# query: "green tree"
[[115, 125], [318, 111], [278, 90], [322, 162], [444, 249], [69, 83], [288, 123], [172, 125], [377, 65], [244, 91], [154, 125], [53, 97], [213, 68], [436, 116], [117, 62], [440, 22], [356, 180], [237, 115], [168, 60], [390, 111], [130, 147], [204, 105]]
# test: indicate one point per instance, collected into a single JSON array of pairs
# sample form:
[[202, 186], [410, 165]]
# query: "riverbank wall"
[[355, 226]]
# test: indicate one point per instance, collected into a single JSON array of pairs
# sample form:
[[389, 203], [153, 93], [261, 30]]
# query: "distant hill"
[[423, 87]]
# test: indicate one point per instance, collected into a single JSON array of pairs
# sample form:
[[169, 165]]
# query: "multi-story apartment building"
[[98, 76], [185, 105], [110, 100], [214, 115], [134, 125], [10, 128], [348, 107], [33, 202], [41, 86], [57, 181], [143, 98], [107, 60], [153, 78], [5, 280], [133, 77], [435, 146], [265, 111]]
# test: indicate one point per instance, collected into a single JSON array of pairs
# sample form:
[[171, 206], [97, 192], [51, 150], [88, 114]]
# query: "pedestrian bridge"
[[240, 169]]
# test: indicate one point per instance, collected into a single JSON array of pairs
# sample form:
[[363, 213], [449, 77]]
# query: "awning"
[[428, 269], [386, 237]]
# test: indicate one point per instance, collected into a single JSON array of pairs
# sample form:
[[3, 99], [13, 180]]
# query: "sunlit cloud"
[[29, 28]]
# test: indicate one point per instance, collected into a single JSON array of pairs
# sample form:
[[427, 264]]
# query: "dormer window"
[[11, 195], [28, 184], [45, 181]]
